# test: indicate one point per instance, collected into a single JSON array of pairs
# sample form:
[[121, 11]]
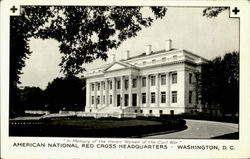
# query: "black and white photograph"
[[124, 77]]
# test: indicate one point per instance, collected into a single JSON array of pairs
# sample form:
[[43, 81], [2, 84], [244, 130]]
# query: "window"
[[174, 78], [150, 111], [98, 99], [163, 97], [134, 83], [143, 98], [163, 59], [92, 99], [98, 86], [152, 80], [110, 99], [104, 86], [163, 79], [154, 61], [135, 111], [160, 111], [141, 111], [175, 56], [174, 96], [118, 84], [190, 78], [144, 62], [90, 110], [190, 97], [103, 99], [126, 84], [143, 81], [152, 97], [110, 84], [93, 87]]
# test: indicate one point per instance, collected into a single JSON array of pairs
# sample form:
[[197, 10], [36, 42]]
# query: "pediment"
[[116, 66]]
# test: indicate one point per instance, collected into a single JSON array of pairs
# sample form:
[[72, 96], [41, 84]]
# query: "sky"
[[186, 27]]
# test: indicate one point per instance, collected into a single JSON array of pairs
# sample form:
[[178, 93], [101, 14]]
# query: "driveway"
[[200, 129]]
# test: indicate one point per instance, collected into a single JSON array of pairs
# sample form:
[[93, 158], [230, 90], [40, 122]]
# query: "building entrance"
[[134, 102]]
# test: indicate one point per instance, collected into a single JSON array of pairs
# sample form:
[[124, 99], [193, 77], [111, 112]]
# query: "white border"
[[242, 146]]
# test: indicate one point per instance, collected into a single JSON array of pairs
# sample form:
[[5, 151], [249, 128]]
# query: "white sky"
[[186, 27]]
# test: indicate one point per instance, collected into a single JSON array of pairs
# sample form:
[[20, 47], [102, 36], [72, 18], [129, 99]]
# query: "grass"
[[106, 127]]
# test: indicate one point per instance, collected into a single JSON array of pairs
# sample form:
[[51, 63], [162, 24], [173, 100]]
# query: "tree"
[[219, 83], [66, 93], [32, 98], [84, 33]]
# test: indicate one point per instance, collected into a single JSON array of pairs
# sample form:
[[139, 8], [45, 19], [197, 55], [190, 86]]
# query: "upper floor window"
[[163, 79], [104, 86], [93, 87], [190, 78], [98, 86], [126, 84], [134, 83], [143, 81], [153, 61], [152, 80], [174, 78], [175, 56], [118, 84], [144, 62], [110, 84], [163, 59]]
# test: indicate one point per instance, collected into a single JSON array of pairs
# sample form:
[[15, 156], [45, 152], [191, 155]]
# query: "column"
[[113, 92], [168, 89], [157, 95], [122, 91], [147, 90], [88, 94], [130, 90], [138, 91], [95, 96], [101, 94], [106, 92]]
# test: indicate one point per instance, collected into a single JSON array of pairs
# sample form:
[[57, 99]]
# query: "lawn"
[[106, 127]]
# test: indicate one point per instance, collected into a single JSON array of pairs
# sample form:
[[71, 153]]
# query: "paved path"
[[198, 129]]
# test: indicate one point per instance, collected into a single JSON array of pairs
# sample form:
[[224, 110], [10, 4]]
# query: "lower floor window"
[[174, 96], [163, 97], [92, 99], [160, 111], [143, 98], [110, 99], [152, 97], [150, 111]]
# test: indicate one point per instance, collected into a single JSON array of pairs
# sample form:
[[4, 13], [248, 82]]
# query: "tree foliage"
[[85, 33], [212, 12], [219, 83], [66, 93]]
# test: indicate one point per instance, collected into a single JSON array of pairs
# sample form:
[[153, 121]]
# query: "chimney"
[[126, 54], [168, 45], [148, 49], [112, 58]]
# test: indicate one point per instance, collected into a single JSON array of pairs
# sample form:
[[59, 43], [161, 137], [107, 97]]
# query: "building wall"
[[117, 73]]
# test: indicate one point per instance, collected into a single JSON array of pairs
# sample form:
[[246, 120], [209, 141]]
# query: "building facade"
[[152, 83]]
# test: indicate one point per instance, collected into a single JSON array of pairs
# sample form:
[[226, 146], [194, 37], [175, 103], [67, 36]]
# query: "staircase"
[[110, 110]]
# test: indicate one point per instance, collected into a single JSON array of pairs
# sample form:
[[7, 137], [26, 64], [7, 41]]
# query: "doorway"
[[134, 102]]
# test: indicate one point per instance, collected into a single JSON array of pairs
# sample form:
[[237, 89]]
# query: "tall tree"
[[219, 83], [66, 93]]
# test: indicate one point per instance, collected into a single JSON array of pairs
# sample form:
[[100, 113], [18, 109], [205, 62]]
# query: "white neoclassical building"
[[152, 83]]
